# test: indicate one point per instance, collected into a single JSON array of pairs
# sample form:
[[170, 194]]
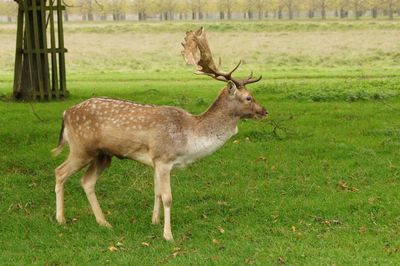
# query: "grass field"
[[316, 184]]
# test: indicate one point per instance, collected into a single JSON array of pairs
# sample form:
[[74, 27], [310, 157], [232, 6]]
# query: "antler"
[[197, 52]]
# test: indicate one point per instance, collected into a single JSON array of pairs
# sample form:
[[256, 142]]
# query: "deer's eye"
[[248, 98]]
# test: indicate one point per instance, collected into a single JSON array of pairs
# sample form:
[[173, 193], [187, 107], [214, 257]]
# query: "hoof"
[[105, 224], [168, 237], [61, 220], [155, 219]]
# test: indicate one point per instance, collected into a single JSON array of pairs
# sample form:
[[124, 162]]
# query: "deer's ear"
[[231, 88]]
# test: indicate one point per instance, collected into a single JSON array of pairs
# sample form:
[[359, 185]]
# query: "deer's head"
[[197, 52]]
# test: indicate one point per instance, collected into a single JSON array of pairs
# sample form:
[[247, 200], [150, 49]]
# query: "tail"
[[61, 141]]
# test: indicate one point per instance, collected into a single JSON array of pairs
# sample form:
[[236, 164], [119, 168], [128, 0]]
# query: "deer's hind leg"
[[73, 164], [88, 183]]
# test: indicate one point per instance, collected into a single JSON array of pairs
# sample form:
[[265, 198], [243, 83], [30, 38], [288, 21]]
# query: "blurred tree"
[[261, 8], [166, 9], [310, 6], [141, 7], [277, 7], [291, 6], [118, 9], [343, 6], [390, 7], [225, 8], [8, 8], [197, 8], [86, 9], [358, 7]]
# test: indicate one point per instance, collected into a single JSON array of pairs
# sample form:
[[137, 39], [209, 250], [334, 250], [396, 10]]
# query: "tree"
[[197, 8], [141, 7], [118, 9], [358, 7], [290, 6], [8, 8], [260, 6], [389, 6], [225, 8]]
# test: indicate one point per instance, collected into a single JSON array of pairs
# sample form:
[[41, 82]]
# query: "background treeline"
[[218, 9]]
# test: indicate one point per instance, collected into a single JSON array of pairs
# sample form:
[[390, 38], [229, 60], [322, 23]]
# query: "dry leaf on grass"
[[222, 203], [176, 252], [343, 185], [363, 229], [216, 241], [220, 229], [112, 248], [145, 244]]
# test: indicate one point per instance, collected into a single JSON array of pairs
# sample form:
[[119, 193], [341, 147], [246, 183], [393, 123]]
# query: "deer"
[[163, 137]]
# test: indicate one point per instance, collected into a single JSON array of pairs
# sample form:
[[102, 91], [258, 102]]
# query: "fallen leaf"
[[145, 244], [220, 229], [176, 253], [342, 185], [222, 203], [216, 241], [363, 229], [261, 158], [273, 168], [249, 261], [119, 244], [281, 260], [354, 189], [112, 249], [293, 228]]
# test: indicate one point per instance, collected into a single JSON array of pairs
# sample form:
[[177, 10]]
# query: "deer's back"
[[127, 129]]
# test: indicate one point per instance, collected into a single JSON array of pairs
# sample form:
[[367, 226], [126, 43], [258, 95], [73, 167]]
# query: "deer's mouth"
[[263, 113]]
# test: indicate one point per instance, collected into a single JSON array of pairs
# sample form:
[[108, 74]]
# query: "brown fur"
[[163, 137]]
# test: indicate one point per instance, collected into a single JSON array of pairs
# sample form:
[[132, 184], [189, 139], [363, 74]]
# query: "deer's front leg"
[[162, 176]]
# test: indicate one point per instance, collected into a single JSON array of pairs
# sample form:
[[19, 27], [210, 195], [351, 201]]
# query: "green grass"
[[315, 184]]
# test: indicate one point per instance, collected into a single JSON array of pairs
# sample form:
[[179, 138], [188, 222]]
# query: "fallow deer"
[[163, 137]]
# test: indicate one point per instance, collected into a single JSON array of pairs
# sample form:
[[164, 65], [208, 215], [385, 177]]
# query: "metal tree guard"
[[33, 78]]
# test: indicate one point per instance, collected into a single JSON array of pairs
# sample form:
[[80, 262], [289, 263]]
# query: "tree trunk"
[[374, 12], [390, 10], [323, 13], [290, 10], [343, 13]]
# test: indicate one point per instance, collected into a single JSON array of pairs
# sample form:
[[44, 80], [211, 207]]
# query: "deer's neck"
[[210, 131], [219, 121]]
